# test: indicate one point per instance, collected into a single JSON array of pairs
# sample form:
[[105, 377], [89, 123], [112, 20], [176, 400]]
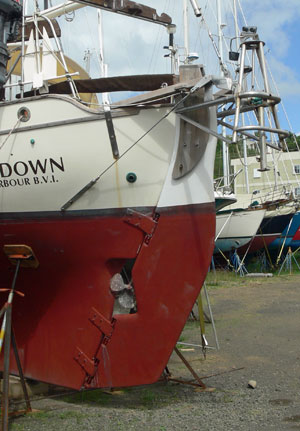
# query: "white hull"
[[235, 229], [63, 146]]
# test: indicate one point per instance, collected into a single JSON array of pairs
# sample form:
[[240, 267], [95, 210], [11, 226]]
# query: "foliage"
[[293, 142], [235, 152]]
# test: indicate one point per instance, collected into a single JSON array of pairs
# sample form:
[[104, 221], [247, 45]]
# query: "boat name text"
[[43, 172]]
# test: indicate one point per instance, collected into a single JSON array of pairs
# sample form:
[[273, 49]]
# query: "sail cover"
[[116, 83], [130, 8]]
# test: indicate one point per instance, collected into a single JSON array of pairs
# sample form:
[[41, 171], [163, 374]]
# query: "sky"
[[133, 46]]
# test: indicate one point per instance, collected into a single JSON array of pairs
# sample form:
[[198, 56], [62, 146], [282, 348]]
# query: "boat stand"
[[238, 263], [18, 255], [197, 380], [168, 375], [212, 320], [203, 317], [288, 261]]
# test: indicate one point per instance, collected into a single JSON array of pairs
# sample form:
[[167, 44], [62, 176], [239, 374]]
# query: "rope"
[[12, 130], [221, 63]]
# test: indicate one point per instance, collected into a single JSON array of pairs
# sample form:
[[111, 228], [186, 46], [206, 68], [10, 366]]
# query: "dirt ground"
[[258, 327]]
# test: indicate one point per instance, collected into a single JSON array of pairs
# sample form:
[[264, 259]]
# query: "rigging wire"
[[11, 131], [217, 51], [93, 41], [158, 41], [282, 104], [50, 49], [95, 180], [198, 39]]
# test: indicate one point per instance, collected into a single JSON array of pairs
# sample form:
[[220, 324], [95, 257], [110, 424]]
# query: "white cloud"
[[273, 18], [286, 78], [276, 20]]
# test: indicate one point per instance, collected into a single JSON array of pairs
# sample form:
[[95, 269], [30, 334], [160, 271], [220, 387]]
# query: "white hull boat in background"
[[236, 228]]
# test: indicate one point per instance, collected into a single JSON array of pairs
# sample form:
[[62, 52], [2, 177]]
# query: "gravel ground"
[[258, 325]]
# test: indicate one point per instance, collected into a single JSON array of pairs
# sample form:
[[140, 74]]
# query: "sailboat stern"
[[167, 277], [171, 264], [73, 327]]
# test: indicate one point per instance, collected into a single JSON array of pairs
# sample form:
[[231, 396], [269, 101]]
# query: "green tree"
[[293, 142]]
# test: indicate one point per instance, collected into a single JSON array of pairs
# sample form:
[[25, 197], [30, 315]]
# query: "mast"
[[189, 57], [237, 34], [101, 49], [225, 151], [103, 66], [186, 30]]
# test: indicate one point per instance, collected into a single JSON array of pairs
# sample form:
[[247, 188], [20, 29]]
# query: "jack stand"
[[210, 319], [288, 261], [238, 264], [202, 325], [204, 346], [213, 266], [191, 370], [19, 255]]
